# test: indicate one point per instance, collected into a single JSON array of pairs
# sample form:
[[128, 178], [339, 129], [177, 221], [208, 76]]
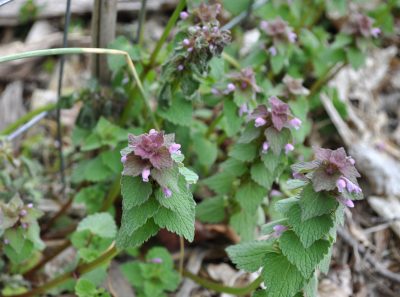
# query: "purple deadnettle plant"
[[333, 171]]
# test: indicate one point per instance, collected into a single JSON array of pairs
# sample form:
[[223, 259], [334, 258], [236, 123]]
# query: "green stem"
[[112, 194], [231, 60], [323, 79], [81, 269], [153, 57], [216, 287], [171, 22], [27, 117], [214, 124]]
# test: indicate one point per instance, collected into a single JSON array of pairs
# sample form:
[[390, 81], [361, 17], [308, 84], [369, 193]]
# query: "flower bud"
[[288, 148], [348, 203], [230, 88], [279, 229], [156, 260], [29, 205], [265, 147], [174, 148], [292, 37], [259, 122], [167, 192], [180, 67], [184, 15], [145, 175], [272, 50], [341, 184], [375, 32], [123, 159], [295, 123], [186, 42], [23, 213], [243, 109]]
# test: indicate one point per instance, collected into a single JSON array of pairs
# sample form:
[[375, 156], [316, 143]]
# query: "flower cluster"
[[205, 39], [15, 213], [361, 25], [279, 31], [332, 170], [148, 155], [278, 116]]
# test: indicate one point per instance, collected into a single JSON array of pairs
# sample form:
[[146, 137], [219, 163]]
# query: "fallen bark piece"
[[389, 209], [11, 104]]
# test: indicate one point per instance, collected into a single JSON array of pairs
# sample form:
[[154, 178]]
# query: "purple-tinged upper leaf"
[[280, 112]]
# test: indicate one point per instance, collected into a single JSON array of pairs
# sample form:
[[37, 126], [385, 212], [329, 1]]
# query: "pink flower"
[[167, 192], [230, 88], [184, 15], [272, 50], [298, 175], [156, 260], [275, 193], [265, 147], [29, 205], [6, 241], [288, 148], [375, 32], [24, 226], [175, 148], [279, 229], [292, 37], [180, 67], [351, 160], [295, 123], [259, 122], [190, 49], [23, 213], [186, 42], [348, 203], [123, 159], [341, 184], [243, 109], [145, 175]]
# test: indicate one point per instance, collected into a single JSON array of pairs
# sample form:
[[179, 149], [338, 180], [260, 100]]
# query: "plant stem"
[[231, 60], [171, 22], [27, 117], [112, 194], [323, 79], [214, 124], [153, 57], [216, 287], [81, 269], [142, 17], [181, 254]]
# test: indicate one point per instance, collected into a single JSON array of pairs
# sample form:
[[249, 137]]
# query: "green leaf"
[[85, 288], [181, 200], [237, 6], [101, 224], [261, 175], [306, 260], [95, 170], [249, 134], [206, 150], [249, 256], [277, 63], [269, 227], [179, 113], [250, 195], [179, 223], [244, 223], [134, 191], [162, 253], [310, 230], [140, 235], [211, 210], [324, 265], [22, 254], [277, 139], [284, 205], [137, 216], [245, 152], [281, 277], [116, 62], [232, 121], [234, 167], [112, 159], [92, 197], [190, 176], [132, 272], [221, 182], [355, 57], [315, 204], [311, 288]]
